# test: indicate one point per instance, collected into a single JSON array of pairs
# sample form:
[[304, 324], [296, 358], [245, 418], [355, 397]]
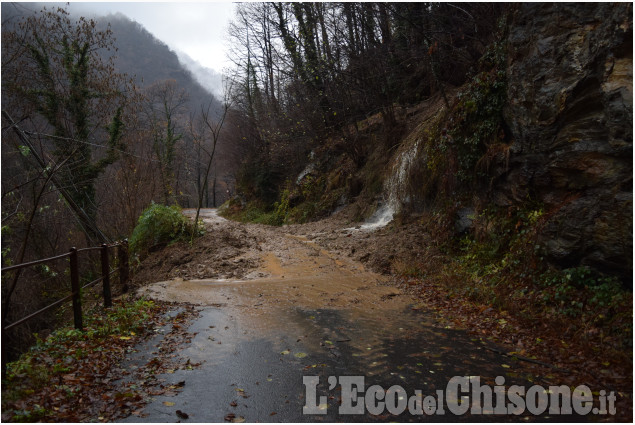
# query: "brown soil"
[[329, 249], [227, 250], [272, 266]]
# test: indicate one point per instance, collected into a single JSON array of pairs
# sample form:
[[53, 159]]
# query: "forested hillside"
[[450, 175], [99, 120], [141, 55], [309, 74], [480, 112]]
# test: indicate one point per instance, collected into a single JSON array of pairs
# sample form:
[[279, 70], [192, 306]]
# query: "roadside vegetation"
[[495, 283], [159, 226], [81, 376], [63, 374]]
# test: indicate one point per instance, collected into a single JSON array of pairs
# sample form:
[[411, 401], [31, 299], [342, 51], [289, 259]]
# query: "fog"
[[196, 29]]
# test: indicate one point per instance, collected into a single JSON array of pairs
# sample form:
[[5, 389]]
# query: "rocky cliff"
[[542, 127], [570, 112]]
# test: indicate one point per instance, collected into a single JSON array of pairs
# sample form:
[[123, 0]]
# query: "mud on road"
[[261, 267], [275, 306]]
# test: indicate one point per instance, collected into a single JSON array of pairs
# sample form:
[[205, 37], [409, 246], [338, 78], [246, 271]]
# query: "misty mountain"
[[207, 77], [141, 55]]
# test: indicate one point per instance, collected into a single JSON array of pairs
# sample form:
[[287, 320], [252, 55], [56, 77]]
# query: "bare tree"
[[214, 128], [164, 115], [58, 80]]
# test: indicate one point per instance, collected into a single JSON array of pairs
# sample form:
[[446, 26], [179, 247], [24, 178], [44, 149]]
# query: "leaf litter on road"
[[85, 371]]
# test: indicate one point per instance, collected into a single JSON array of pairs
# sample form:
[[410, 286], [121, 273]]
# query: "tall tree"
[[211, 135], [164, 115], [58, 78]]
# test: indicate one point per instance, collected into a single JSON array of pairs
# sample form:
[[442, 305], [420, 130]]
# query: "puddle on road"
[[313, 314], [303, 276]]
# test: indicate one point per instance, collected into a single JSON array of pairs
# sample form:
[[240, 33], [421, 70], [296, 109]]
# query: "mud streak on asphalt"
[[306, 312]]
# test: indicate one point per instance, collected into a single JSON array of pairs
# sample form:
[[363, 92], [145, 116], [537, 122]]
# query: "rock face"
[[570, 112]]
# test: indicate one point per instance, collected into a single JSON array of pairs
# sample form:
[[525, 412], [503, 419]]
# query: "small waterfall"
[[308, 169], [396, 186], [380, 218], [395, 189]]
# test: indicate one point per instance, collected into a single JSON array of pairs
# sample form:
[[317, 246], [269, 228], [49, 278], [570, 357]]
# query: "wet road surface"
[[307, 313]]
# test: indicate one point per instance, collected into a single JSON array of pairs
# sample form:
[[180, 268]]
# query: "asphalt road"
[[286, 345]]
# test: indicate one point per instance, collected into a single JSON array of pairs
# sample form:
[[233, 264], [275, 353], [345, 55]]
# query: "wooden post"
[[105, 273], [124, 271], [3, 347], [77, 296]]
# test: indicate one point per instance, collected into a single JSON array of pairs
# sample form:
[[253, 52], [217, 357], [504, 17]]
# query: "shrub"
[[158, 225]]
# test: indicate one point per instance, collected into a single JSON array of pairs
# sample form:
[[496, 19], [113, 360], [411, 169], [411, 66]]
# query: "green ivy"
[[563, 287], [281, 208], [476, 120]]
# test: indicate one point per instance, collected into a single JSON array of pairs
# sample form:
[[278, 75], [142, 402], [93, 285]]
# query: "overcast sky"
[[196, 28]]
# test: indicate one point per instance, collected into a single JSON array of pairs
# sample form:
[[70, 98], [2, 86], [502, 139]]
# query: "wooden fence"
[[75, 295]]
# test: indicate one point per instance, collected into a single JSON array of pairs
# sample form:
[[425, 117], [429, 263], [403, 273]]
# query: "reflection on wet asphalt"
[[262, 372], [311, 314]]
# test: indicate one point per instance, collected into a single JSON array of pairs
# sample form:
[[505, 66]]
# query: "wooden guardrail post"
[[124, 270], [105, 274], [77, 296], [3, 348]]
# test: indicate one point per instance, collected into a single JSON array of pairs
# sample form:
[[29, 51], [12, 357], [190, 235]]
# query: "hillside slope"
[[140, 54], [543, 126], [514, 192], [148, 59]]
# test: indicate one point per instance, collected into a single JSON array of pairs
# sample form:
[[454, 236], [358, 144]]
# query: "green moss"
[[253, 212]]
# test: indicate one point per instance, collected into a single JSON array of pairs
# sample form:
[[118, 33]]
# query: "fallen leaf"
[[300, 355], [182, 415], [168, 403]]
